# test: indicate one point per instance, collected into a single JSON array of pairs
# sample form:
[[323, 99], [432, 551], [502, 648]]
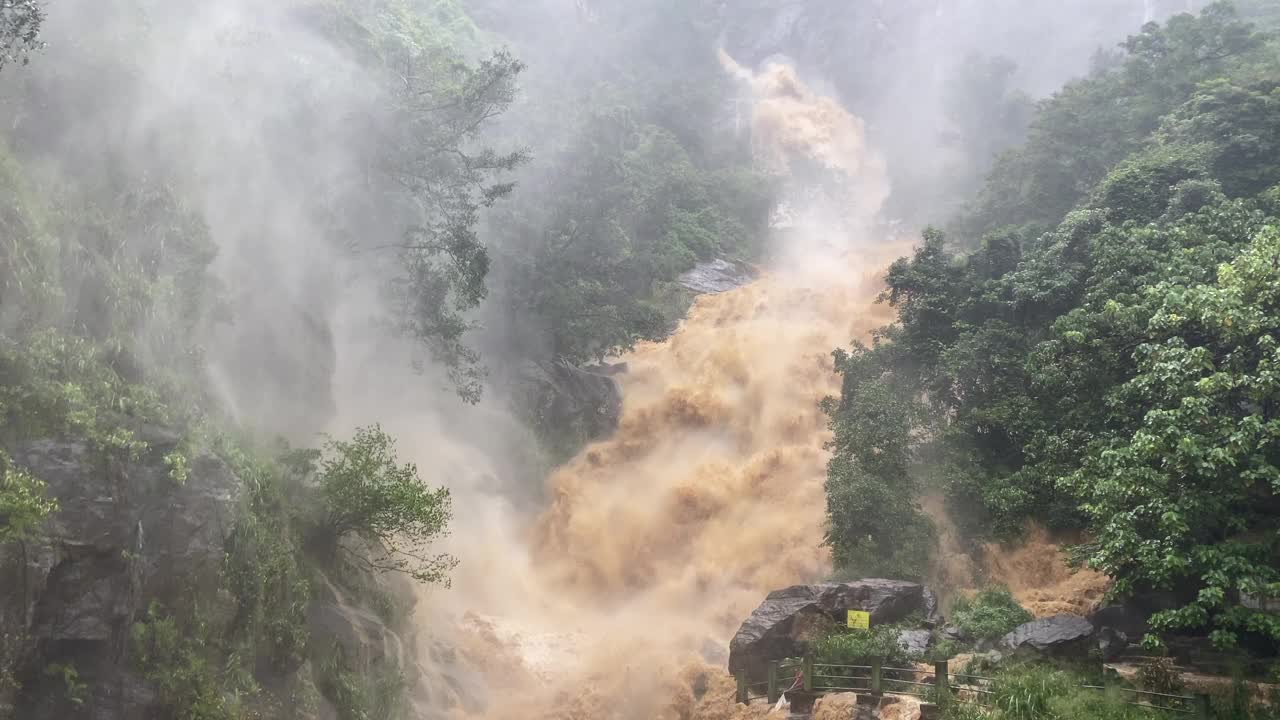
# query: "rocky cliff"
[[169, 580], [126, 534]]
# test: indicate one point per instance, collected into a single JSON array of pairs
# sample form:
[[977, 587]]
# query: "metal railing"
[[876, 679]]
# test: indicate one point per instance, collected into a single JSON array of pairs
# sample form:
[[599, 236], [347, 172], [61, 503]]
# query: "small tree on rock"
[[23, 504], [365, 493]]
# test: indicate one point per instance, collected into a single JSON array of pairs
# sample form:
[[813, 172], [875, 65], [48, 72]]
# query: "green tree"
[[595, 271], [23, 503], [443, 107], [1049, 378], [1083, 130], [366, 494], [20, 22], [874, 522], [636, 183], [988, 114], [1237, 122], [1190, 496], [989, 615]]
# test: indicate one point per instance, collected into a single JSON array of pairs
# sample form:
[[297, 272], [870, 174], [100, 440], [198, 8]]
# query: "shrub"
[[1028, 694], [76, 690], [1240, 702], [175, 660], [23, 504], [942, 650], [989, 615], [862, 647], [366, 493], [376, 694], [1160, 675], [1082, 704], [262, 567], [859, 647], [968, 711]]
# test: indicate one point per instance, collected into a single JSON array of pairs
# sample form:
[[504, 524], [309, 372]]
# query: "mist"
[[262, 120]]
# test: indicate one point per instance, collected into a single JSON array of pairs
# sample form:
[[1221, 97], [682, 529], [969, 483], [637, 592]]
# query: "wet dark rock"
[[125, 534], [915, 642], [1131, 621], [1057, 636], [888, 601], [699, 686], [1112, 644], [579, 403], [1133, 614], [953, 633], [713, 277], [607, 369], [789, 620]]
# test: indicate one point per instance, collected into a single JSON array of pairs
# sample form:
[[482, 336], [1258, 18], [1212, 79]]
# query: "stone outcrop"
[[838, 706], [125, 534], [1111, 643], [900, 707], [581, 404], [789, 620], [1060, 636], [716, 276], [914, 642]]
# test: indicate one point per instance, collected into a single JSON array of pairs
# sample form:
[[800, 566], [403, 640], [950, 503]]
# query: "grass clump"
[[989, 615], [1046, 693], [862, 647], [1028, 694], [376, 693]]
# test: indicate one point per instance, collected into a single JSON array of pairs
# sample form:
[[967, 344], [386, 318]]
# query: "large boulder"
[[1132, 622], [914, 642], [578, 405], [714, 277], [125, 534], [1132, 616], [837, 706], [789, 620], [900, 707], [1060, 636], [1112, 644]]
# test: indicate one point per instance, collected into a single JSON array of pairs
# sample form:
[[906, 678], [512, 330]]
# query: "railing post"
[[741, 677], [807, 672], [1109, 687], [941, 682], [773, 681], [1204, 708], [877, 672]]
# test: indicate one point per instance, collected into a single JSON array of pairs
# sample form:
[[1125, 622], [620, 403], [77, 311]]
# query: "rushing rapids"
[[618, 601], [659, 540]]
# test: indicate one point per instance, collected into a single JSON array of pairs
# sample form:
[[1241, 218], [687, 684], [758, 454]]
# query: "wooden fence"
[[811, 679]]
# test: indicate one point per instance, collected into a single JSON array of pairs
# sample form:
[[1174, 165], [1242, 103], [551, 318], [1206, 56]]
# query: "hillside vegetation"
[[1092, 345], [338, 144]]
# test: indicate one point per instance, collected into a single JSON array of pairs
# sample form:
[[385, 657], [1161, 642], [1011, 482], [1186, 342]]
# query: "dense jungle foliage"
[[1092, 345]]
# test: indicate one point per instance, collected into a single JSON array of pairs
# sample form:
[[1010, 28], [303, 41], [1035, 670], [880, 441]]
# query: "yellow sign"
[[859, 620]]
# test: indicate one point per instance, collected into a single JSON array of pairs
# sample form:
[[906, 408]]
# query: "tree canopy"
[[366, 493], [20, 22], [1091, 347]]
